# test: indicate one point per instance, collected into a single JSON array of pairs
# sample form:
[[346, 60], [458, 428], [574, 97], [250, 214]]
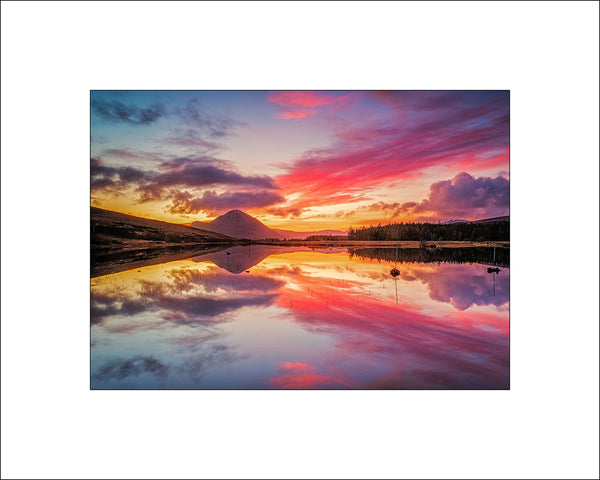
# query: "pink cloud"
[[298, 375], [435, 131], [294, 366], [303, 104], [304, 381], [302, 99], [467, 349], [465, 196], [295, 114]]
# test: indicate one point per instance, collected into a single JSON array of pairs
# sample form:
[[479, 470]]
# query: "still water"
[[267, 317]]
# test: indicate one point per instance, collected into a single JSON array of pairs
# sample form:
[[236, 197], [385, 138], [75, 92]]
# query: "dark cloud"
[[216, 125], [99, 139], [103, 306], [178, 300], [203, 310], [289, 212], [214, 203], [130, 154], [193, 173], [103, 176], [212, 281], [134, 367], [201, 172], [466, 196], [212, 355], [444, 101], [116, 111]]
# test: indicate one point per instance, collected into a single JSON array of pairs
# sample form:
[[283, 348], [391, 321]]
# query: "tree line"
[[466, 232]]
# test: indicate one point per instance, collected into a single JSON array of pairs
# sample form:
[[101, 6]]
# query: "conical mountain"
[[238, 224]]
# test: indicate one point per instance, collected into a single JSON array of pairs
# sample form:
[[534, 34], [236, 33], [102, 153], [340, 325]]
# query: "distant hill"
[[483, 220], [293, 235], [493, 220], [450, 222], [238, 224]]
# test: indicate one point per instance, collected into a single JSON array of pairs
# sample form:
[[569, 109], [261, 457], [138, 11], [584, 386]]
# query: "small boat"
[[493, 269]]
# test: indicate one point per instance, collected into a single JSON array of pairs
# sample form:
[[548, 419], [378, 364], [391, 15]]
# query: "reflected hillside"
[[483, 255], [241, 258]]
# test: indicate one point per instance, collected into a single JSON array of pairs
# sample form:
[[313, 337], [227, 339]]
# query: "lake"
[[274, 317]]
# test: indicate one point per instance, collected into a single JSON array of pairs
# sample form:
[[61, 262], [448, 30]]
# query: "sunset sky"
[[303, 160]]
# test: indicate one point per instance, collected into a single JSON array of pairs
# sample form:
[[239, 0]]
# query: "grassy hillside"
[[117, 237]]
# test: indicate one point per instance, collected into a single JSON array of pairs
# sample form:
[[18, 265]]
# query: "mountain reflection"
[[241, 258], [300, 319], [238, 259]]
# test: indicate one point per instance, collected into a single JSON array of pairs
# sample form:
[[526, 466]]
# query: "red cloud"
[[304, 381], [471, 136], [302, 99], [291, 114], [296, 105], [304, 376], [294, 366]]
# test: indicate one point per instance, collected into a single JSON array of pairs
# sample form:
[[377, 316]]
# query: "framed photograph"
[[300, 239]]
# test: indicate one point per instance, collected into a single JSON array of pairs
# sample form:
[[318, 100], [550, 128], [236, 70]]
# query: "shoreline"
[[106, 261], [384, 243]]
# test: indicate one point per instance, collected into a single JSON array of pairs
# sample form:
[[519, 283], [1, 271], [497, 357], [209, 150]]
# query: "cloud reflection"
[[408, 345], [120, 369], [314, 321], [462, 285], [187, 296]]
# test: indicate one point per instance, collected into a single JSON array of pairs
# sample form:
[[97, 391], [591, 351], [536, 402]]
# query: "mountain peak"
[[239, 224], [235, 213]]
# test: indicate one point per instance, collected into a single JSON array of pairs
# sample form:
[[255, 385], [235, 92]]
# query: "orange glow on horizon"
[[299, 224]]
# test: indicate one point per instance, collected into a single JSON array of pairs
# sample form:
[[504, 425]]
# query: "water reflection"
[[460, 284], [279, 317], [484, 255]]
